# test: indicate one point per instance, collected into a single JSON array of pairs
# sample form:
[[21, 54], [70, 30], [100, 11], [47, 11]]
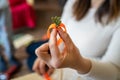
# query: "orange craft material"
[[47, 77], [56, 24]]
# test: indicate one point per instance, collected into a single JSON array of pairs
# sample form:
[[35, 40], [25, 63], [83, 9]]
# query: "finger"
[[65, 37], [53, 44], [44, 56], [42, 48], [36, 66], [50, 71], [42, 52], [42, 67]]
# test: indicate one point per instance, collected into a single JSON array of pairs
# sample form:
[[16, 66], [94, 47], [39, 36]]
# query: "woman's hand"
[[70, 56], [41, 68]]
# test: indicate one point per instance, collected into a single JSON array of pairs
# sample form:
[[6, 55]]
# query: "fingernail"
[[59, 29]]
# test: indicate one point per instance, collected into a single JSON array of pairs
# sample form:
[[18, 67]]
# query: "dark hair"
[[111, 8]]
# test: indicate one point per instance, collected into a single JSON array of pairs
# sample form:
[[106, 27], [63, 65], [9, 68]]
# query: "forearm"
[[101, 71], [84, 65]]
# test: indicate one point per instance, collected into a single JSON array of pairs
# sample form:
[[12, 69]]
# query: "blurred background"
[[23, 25]]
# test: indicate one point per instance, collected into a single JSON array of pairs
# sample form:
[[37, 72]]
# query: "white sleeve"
[[67, 11], [109, 67]]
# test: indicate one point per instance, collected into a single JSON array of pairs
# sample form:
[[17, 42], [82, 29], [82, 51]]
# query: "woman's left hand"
[[70, 56]]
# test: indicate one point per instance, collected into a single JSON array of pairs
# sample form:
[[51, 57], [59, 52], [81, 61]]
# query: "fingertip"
[[53, 38], [50, 71], [64, 36], [54, 32], [60, 30], [36, 70], [35, 65], [33, 68]]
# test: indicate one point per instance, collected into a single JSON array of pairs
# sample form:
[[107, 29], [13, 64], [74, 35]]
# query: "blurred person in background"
[[92, 47], [25, 9], [6, 38], [62, 3]]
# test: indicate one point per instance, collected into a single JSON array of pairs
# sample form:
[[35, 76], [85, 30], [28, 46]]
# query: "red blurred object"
[[23, 15], [10, 71]]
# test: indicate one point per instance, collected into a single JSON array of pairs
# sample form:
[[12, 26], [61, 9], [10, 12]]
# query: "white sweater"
[[95, 41]]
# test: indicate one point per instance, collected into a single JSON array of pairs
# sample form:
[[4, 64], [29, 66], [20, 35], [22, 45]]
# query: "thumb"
[[43, 52]]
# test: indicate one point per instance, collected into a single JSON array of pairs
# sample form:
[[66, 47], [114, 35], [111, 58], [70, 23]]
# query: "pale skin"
[[69, 58]]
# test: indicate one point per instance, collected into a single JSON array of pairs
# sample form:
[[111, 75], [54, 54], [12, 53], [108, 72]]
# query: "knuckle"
[[56, 65], [36, 51]]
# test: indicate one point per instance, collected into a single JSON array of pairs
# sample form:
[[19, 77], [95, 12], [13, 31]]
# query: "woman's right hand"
[[70, 57], [40, 67]]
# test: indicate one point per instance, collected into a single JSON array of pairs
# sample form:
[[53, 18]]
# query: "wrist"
[[84, 65]]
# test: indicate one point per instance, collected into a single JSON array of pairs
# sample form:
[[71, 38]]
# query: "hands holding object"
[[49, 54]]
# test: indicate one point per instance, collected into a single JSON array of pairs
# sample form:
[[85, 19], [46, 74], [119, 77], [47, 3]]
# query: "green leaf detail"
[[56, 20]]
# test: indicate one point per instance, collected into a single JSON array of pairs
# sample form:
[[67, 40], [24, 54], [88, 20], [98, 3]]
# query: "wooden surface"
[[34, 76], [60, 74]]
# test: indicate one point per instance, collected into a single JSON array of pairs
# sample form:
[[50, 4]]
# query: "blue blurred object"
[[5, 27], [31, 52], [2, 65], [5, 39]]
